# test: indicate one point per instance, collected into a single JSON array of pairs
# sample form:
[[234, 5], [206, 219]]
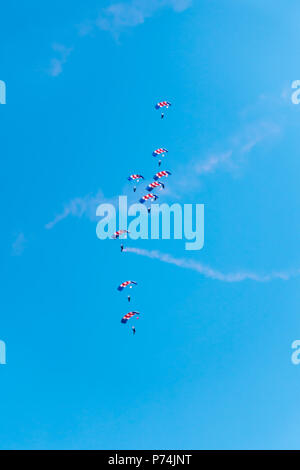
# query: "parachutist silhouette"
[[159, 163], [162, 115], [133, 330], [134, 189], [149, 210], [129, 298], [122, 248]]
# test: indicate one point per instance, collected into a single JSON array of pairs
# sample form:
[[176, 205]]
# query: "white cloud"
[[210, 272], [18, 245], [56, 66], [122, 15], [241, 144], [230, 158]]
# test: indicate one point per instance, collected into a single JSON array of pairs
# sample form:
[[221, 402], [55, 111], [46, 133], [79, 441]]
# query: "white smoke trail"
[[210, 272]]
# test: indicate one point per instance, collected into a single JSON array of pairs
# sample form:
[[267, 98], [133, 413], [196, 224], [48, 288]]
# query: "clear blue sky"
[[210, 364]]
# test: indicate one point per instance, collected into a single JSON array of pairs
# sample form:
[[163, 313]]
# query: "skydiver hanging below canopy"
[[160, 152], [148, 197], [133, 330], [135, 179], [117, 235], [125, 285], [161, 105]]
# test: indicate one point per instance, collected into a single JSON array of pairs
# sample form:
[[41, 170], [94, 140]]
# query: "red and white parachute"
[[119, 233], [136, 178], [155, 184], [128, 316], [148, 197], [161, 174], [163, 104], [126, 284]]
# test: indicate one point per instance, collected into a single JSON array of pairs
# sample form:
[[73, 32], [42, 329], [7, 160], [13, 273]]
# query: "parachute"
[[119, 233], [160, 174], [125, 284], [135, 179], [160, 152], [163, 104], [148, 197], [128, 316], [154, 185]]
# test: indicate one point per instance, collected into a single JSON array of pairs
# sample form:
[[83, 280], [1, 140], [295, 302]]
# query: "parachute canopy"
[[119, 233], [128, 316], [163, 104], [160, 174], [161, 151], [136, 178], [155, 184], [125, 284], [148, 197]]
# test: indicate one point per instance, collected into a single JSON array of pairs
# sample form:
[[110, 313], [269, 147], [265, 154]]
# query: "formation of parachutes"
[[147, 198]]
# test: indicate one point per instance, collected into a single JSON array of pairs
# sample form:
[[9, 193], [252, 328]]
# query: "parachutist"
[[149, 210], [162, 115], [128, 298], [134, 189], [133, 330], [159, 163], [122, 248]]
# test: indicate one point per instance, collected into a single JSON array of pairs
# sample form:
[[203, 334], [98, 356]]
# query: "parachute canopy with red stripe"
[[128, 316], [125, 284], [148, 197], [159, 151], [119, 233], [135, 178], [154, 185], [163, 104], [160, 174]]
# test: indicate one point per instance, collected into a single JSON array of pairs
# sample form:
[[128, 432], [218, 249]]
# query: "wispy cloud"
[[122, 15], [79, 207], [240, 145], [210, 272], [56, 66], [230, 158], [18, 245]]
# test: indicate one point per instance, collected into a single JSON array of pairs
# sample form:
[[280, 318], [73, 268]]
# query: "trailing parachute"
[[161, 174], [128, 316]]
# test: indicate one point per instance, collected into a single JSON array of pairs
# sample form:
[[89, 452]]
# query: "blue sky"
[[210, 364]]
